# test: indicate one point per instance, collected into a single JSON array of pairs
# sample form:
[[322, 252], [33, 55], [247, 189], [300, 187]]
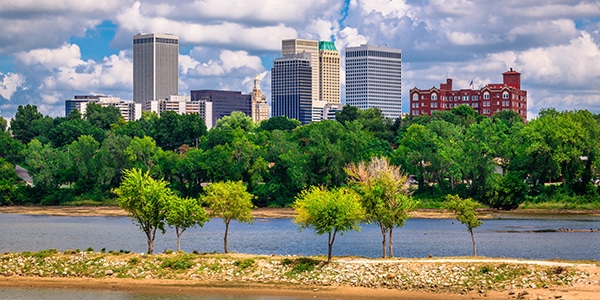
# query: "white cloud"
[[387, 8], [68, 55], [9, 83], [465, 38], [570, 66]]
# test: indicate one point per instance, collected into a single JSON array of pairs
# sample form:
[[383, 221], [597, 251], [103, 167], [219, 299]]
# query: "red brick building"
[[488, 100]]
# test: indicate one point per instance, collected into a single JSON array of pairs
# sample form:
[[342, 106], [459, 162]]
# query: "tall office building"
[[329, 73], [291, 87], [155, 67], [299, 46], [374, 78], [223, 103]]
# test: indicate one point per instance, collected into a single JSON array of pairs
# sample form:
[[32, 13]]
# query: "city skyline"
[[50, 51]]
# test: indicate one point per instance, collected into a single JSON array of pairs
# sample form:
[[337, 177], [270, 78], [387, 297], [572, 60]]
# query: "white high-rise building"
[[374, 78], [130, 111], [155, 67]]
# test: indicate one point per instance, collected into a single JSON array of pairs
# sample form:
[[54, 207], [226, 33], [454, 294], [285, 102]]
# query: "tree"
[[82, 153], [385, 195], [48, 166], [237, 119], [229, 200], [141, 152], [3, 124], [464, 209], [102, 117], [279, 123], [183, 213], [348, 113], [9, 180], [146, 200], [21, 124], [330, 212]]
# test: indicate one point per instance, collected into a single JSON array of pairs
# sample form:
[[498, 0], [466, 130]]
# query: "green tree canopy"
[[279, 123], [21, 124], [330, 212], [183, 213], [102, 117], [228, 200], [385, 195], [147, 202], [464, 209]]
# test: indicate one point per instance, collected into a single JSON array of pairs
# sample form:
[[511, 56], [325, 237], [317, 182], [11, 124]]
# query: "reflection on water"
[[516, 238], [41, 294]]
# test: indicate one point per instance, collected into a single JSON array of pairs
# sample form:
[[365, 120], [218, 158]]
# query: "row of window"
[[374, 53]]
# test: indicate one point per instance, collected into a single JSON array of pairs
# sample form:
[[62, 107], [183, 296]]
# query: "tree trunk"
[[178, 238], [391, 242], [225, 238], [383, 243], [150, 241], [473, 239], [330, 244]]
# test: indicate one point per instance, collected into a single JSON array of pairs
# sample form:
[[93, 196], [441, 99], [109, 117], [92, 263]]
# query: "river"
[[527, 238]]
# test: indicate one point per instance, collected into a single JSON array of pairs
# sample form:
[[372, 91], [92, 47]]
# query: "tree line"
[[500, 161]]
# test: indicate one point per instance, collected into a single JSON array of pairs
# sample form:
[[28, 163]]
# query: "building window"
[[434, 97], [475, 105], [486, 103], [505, 95], [434, 104], [415, 97], [415, 105], [475, 97], [505, 103]]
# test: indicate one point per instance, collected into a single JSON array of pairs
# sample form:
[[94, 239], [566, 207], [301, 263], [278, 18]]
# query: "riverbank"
[[112, 211], [302, 277]]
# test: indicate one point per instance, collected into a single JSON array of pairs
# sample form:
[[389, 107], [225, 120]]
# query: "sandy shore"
[[179, 287], [584, 290], [277, 212]]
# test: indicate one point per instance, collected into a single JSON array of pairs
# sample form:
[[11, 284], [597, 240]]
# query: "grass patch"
[[41, 254], [302, 265], [556, 205], [178, 262], [244, 263]]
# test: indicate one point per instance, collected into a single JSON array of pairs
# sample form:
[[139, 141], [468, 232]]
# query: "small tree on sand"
[[385, 195], [464, 209], [328, 212], [230, 201], [184, 213], [146, 201]]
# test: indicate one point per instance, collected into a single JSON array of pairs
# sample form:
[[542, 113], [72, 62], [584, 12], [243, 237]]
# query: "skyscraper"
[[291, 87], [374, 78], [299, 46], [329, 73], [155, 67]]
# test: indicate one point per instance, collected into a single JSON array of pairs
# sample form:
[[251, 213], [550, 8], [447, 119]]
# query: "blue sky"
[[53, 50]]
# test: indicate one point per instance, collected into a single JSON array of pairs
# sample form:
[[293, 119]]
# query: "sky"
[[52, 50]]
